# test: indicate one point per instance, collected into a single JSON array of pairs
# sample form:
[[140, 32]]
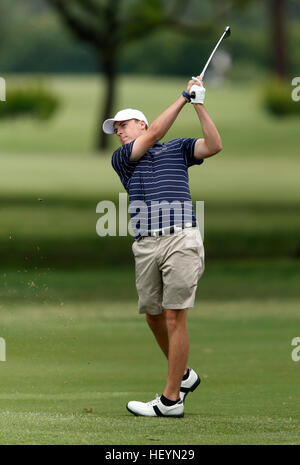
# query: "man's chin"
[[126, 141]]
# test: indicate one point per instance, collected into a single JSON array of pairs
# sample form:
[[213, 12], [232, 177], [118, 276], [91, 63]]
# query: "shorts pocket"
[[192, 239]]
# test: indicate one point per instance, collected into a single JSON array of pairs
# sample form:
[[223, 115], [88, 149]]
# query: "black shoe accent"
[[196, 384], [160, 414], [167, 402], [184, 389], [157, 411], [191, 389], [186, 375]]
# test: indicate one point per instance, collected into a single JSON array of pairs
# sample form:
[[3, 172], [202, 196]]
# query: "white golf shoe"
[[155, 408], [189, 384]]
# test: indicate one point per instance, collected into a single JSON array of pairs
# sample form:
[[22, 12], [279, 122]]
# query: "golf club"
[[225, 34]]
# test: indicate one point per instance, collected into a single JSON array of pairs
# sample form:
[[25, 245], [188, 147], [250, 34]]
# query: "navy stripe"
[[160, 175]]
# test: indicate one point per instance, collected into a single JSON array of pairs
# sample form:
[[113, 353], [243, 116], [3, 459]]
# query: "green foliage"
[[29, 100], [44, 44], [277, 98]]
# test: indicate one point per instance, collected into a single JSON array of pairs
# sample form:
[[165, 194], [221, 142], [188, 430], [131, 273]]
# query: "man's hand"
[[192, 82], [197, 89]]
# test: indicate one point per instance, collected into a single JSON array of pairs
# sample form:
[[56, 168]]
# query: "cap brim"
[[108, 126]]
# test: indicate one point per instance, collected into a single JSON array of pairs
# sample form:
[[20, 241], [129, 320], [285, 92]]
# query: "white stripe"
[[156, 208], [170, 185], [172, 169], [163, 192], [160, 211], [163, 158], [144, 218], [162, 180], [184, 176], [173, 143]]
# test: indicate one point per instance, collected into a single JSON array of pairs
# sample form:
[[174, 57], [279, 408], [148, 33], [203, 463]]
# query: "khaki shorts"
[[168, 269]]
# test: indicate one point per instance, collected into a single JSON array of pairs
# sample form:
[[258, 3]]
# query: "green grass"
[[63, 360], [67, 297], [78, 345]]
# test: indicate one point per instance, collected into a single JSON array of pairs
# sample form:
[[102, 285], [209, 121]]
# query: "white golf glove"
[[199, 93]]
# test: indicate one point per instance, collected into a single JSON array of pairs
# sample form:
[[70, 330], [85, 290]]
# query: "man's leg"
[[178, 351], [157, 324], [170, 331], [171, 334]]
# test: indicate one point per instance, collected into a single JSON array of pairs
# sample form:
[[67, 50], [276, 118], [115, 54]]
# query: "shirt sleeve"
[[188, 152], [121, 163]]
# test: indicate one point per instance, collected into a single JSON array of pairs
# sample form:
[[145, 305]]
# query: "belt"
[[167, 231]]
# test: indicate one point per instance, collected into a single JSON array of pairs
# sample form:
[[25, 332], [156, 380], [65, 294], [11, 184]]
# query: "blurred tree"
[[279, 37], [277, 13], [109, 25], [5, 17]]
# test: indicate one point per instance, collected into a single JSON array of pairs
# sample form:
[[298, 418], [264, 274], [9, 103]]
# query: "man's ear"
[[142, 125]]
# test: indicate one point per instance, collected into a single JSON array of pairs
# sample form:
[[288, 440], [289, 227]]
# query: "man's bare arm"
[[205, 147], [211, 143], [157, 129]]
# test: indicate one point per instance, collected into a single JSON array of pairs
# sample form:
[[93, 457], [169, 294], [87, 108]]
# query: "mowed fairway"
[[73, 363], [76, 350]]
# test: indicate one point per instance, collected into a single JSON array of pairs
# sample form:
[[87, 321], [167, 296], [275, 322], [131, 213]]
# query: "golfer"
[[168, 248]]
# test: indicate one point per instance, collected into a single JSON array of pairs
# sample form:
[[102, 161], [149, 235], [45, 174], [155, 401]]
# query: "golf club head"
[[227, 32]]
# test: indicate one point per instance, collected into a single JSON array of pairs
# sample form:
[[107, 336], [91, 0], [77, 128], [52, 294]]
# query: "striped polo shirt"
[[158, 184]]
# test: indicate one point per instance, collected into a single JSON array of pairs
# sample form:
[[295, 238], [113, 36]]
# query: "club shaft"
[[212, 54]]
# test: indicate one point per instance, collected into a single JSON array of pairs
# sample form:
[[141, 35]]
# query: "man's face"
[[129, 130]]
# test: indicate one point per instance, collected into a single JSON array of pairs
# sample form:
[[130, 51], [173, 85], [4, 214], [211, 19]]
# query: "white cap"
[[123, 115]]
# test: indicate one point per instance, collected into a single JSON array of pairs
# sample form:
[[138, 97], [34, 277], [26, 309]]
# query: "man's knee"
[[155, 321], [175, 319]]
